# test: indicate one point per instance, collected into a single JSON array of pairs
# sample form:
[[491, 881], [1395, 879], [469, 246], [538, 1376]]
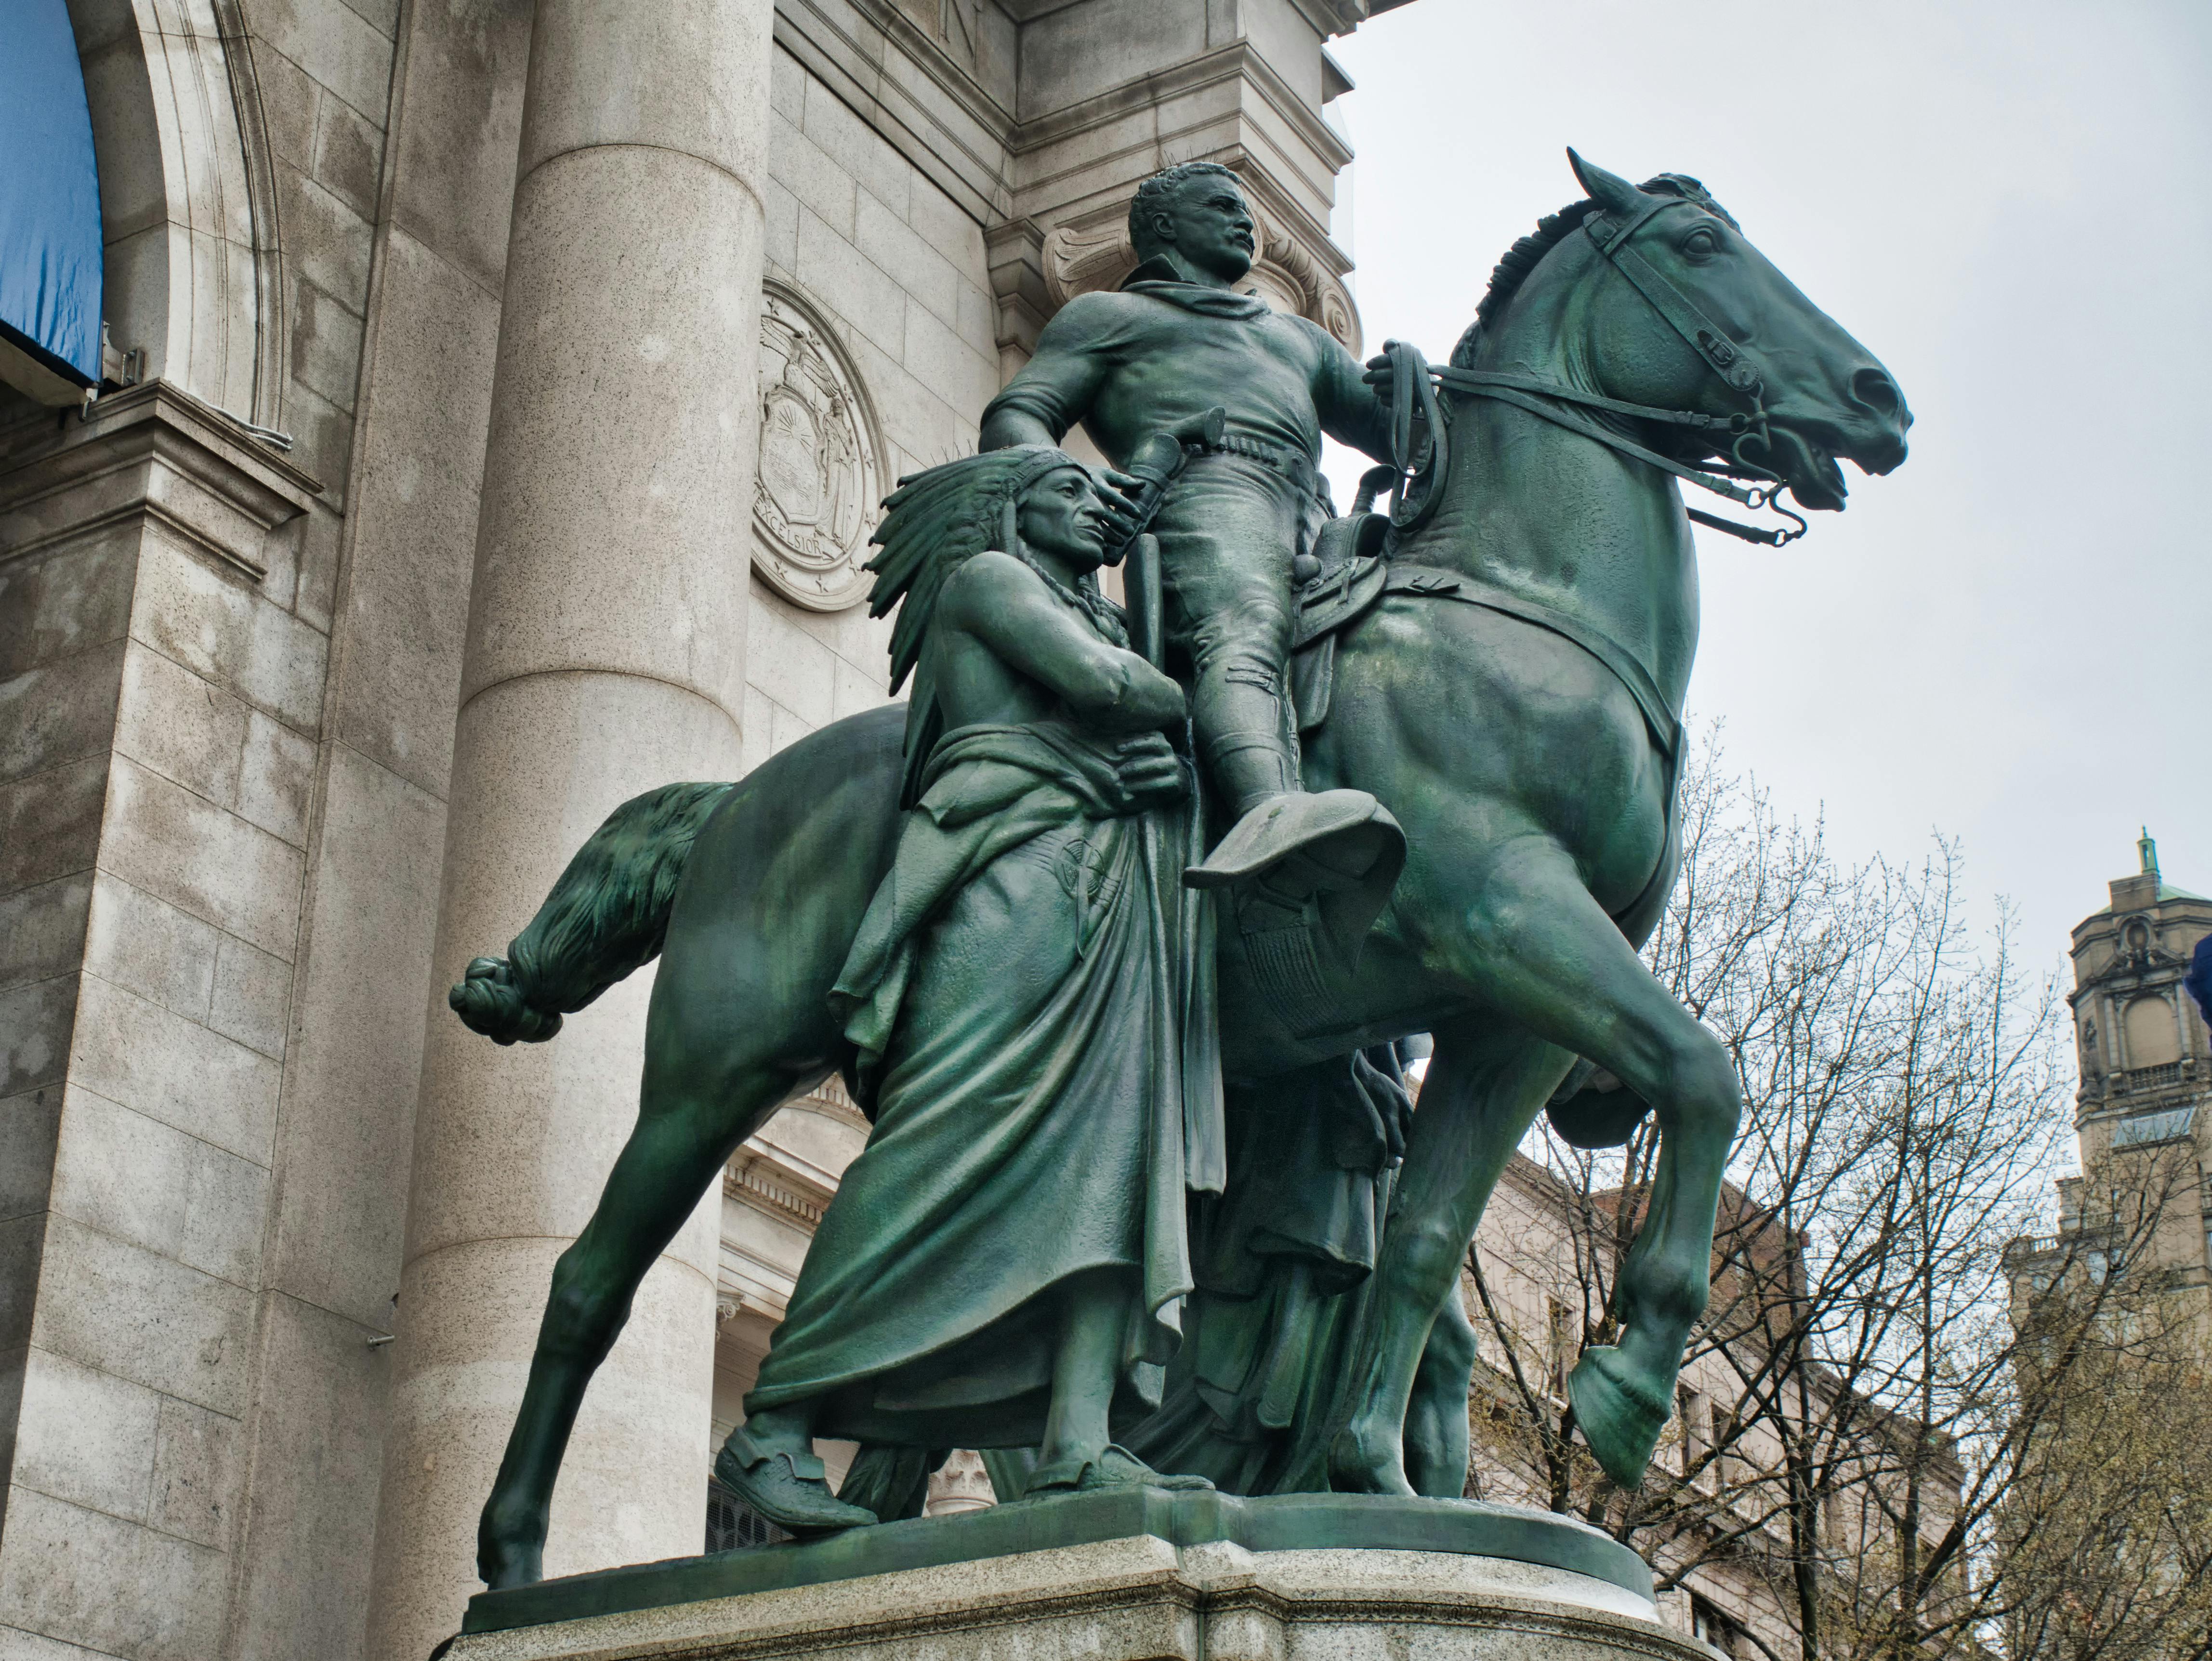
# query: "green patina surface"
[[1293, 1521], [1509, 696]]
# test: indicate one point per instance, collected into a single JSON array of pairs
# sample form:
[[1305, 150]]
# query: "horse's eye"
[[1701, 244]]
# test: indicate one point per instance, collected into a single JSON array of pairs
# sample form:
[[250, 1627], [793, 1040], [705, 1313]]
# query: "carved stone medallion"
[[819, 476]]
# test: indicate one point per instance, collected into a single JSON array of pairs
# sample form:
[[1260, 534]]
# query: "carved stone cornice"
[[774, 1179], [960, 146], [1076, 168], [831, 1096], [1014, 252], [152, 452], [766, 1184], [1237, 61], [1331, 18]]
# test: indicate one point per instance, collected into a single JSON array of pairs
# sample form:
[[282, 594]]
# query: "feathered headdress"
[[935, 521]]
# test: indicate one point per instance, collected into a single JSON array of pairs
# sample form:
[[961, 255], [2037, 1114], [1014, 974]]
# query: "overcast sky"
[[2009, 639]]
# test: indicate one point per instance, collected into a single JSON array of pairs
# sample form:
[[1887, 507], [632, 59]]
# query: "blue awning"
[[50, 241]]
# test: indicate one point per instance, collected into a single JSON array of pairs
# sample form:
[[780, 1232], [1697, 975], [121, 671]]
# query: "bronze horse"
[[1511, 698]]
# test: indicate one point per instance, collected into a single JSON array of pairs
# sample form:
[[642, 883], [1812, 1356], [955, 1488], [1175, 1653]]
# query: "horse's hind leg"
[[1485, 1085], [1437, 1430], [690, 1119], [1541, 952]]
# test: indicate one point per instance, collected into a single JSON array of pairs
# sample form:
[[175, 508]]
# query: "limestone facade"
[[306, 687]]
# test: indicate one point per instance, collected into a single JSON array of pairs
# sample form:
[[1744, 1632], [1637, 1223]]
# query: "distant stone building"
[[1719, 1531], [2114, 1310], [2141, 1117]]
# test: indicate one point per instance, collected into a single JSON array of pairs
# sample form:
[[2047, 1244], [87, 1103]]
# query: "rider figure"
[[1176, 339]]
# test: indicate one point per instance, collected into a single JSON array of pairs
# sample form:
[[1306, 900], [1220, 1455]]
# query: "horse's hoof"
[[1359, 1463], [510, 1546], [524, 1567], [1620, 1411]]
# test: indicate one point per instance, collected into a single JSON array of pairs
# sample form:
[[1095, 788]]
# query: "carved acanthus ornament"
[[820, 477]]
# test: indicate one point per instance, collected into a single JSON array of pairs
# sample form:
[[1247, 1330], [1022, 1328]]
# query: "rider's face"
[[1210, 226], [1061, 514]]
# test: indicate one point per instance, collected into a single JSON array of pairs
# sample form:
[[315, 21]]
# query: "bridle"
[[1414, 383]]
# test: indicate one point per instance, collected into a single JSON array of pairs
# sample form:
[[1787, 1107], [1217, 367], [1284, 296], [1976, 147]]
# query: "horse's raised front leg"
[[687, 1128], [1541, 953]]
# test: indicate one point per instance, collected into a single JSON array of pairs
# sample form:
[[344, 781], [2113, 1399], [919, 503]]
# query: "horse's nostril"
[[1874, 389]]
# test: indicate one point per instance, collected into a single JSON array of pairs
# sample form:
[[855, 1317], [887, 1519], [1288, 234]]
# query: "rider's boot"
[[773, 1468], [1310, 842], [1304, 841]]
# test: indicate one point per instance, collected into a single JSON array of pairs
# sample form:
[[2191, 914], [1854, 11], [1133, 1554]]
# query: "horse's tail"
[[605, 918]]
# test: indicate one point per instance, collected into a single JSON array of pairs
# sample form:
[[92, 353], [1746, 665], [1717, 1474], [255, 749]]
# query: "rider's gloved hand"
[[1381, 376]]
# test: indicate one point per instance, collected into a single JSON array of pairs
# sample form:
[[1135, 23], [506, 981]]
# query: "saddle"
[[1590, 1109], [1354, 571]]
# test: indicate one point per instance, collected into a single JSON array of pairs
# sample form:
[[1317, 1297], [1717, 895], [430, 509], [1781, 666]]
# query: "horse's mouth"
[[1814, 477]]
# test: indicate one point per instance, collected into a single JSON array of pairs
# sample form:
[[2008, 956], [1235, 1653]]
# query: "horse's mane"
[[1513, 268]]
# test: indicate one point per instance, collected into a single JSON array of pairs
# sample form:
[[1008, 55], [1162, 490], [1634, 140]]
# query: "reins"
[[1414, 397]]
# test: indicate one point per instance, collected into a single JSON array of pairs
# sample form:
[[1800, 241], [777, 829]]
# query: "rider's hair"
[[1525, 255], [1157, 195]]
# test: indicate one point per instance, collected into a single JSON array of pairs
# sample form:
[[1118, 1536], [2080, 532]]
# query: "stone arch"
[[2154, 1037], [187, 198]]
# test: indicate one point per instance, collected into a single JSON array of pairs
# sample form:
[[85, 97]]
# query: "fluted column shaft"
[[605, 655]]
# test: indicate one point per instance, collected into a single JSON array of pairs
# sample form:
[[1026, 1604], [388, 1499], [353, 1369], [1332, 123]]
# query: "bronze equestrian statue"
[[1500, 662]]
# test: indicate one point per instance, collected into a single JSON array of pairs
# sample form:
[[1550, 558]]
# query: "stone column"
[[605, 655]]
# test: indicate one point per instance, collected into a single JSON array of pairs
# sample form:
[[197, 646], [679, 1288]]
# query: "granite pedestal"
[[1134, 1575]]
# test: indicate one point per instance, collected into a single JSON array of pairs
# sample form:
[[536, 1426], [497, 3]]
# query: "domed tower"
[[2142, 1115], [2143, 1046]]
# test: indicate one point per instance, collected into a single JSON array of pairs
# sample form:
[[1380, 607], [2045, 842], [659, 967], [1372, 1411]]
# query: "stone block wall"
[[229, 678], [894, 266], [164, 700], [411, 250], [225, 813]]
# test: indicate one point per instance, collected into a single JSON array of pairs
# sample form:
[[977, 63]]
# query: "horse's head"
[[1673, 308]]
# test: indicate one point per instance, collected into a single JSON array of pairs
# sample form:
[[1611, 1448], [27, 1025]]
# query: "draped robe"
[[1043, 1078]]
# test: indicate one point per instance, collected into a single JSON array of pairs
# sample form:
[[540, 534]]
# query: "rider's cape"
[[1019, 998]]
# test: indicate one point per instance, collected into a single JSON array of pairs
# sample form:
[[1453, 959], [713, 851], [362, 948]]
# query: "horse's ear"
[[1610, 191]]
